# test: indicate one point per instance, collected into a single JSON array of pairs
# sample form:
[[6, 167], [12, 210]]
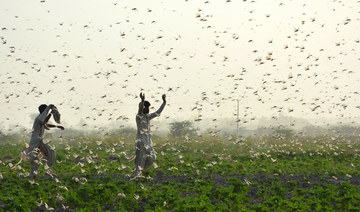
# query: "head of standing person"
[[42, 108], [146, 108]]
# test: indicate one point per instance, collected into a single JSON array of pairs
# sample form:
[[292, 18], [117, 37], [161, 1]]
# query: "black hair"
[[146, 104], [42, 108]]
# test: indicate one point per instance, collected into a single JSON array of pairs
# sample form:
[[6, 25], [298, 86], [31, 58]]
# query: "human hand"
[[164, 98], [61, 127], [142, 96]]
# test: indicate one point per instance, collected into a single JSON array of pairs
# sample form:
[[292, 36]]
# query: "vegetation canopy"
[[196, 173]]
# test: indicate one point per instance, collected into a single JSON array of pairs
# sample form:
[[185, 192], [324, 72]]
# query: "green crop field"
[[203, 173]]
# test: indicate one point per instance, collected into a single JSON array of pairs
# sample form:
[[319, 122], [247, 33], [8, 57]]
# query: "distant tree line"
[[179, 129]]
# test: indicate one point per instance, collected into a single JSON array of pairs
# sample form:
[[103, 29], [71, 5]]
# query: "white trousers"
[[31, 154], [144, 156]]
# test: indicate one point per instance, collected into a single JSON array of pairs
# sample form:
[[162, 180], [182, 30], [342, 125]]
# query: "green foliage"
[[283, 133], [264, 173], [182, 128]]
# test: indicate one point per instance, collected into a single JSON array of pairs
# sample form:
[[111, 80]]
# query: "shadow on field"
[[303, 182]]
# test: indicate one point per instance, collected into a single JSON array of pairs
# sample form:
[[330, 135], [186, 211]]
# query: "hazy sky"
[[92, 58]]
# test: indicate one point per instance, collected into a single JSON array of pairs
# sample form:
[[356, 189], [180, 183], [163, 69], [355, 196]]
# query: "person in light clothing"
[[36, 145], [144, 151]]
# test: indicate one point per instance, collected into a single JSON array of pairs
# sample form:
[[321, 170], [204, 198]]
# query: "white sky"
[[189, 50]]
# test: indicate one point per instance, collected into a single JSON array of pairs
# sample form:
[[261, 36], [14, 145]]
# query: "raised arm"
[[141, 104], [158, 112], [48, 126], [47, 118], [44, 115]]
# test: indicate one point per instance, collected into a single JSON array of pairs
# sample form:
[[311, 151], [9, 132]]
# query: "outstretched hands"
[[48, 126], [142, 96], [60, 127]]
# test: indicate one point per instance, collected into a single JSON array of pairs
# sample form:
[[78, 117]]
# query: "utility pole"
[[237, 121]]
